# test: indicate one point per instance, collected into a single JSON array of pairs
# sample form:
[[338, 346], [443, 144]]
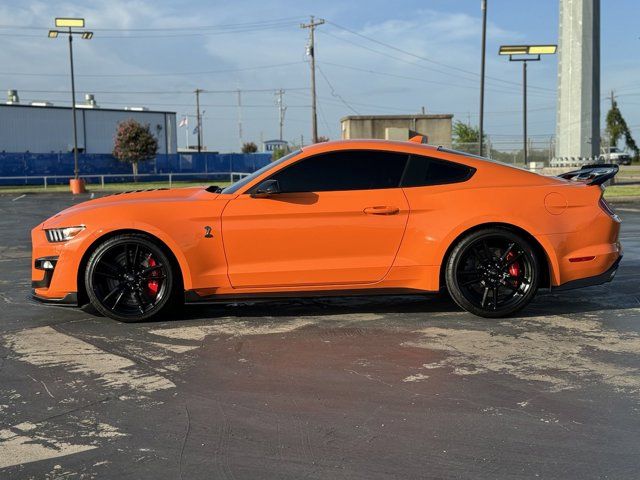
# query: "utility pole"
[[311, 52], [281, 109], [524, 113], [482, 62], [198, 119], [240, 117]]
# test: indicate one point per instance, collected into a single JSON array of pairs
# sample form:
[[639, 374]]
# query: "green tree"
[[134, 143], [278, 153], [249, 147], [465, 137], [617, 128]]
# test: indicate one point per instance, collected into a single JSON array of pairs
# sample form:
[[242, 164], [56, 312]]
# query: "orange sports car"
[[338, 218]]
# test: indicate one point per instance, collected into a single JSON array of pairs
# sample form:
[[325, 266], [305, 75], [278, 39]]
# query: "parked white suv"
[[617, 156]]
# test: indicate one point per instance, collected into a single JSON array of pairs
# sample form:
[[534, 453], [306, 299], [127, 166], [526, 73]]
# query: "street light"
[[524, 54], [77, 186]]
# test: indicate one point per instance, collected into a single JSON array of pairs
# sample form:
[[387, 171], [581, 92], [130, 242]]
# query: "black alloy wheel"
[[493, 272], [129, 278]]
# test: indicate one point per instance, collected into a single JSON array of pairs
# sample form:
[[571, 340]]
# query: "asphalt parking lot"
[[387, 387]]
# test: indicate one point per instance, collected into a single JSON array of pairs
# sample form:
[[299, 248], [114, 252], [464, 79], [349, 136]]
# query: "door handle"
[[381, 210]]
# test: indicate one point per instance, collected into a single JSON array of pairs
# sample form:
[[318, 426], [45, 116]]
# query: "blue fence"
[[36, 164]]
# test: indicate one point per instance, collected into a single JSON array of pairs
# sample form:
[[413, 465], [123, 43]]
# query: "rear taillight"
[[607, 208]]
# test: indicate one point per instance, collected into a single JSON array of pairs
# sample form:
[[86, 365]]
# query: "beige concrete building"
[[578, 112], [437, 128]]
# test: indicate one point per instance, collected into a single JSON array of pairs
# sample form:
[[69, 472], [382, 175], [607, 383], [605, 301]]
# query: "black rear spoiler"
[[595, 174]]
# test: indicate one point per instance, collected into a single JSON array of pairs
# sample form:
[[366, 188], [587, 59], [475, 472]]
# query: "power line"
[[429, 69], [398, 109], [206, 105], [335, 94], [342, 39], [162, 29], [127, 75], [336, 102], [165, 35], [426, 59], [165, 92], [423, 80]]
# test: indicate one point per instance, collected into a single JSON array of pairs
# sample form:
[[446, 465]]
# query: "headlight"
[[56, 235]]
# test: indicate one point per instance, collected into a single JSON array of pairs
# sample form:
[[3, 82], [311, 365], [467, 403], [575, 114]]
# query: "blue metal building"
[[44, 128]]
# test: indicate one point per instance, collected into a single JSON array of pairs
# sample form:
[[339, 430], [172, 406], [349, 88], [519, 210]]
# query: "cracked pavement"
[[370, 387]]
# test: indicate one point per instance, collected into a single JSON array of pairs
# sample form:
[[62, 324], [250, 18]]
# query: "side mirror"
[[266, 188]]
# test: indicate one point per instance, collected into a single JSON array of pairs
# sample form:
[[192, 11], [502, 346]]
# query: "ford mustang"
[[337, 218]]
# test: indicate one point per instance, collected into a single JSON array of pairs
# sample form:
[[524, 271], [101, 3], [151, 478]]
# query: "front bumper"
[[48, 266], [604, 277], [54, 269], [69, 300]]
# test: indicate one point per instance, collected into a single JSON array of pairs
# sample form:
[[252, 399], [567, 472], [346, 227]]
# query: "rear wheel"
[[130, 278], [493, 272]]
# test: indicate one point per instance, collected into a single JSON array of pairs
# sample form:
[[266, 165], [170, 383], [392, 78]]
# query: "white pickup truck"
[[617, 156]]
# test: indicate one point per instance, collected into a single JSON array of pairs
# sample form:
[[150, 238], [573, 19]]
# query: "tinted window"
[[242, 182], [343, 170], [423, 171]]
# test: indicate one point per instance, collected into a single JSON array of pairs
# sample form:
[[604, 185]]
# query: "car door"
[[338, 219]]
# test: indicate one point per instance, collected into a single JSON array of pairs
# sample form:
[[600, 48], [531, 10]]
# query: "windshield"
[[243, 181]]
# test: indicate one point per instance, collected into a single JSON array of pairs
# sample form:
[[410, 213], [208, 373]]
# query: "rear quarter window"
[[424, 171]]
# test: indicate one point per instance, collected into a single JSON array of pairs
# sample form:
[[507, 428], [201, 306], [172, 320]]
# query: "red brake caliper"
[[152, 285], [514, 268]]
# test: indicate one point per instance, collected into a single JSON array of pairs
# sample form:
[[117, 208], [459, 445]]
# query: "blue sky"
[[258, 45]]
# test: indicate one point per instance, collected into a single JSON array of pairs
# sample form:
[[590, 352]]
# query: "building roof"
[[418, 116], [93, 109]]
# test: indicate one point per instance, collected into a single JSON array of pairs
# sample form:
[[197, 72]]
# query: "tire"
[[493, 272], [130, 278]]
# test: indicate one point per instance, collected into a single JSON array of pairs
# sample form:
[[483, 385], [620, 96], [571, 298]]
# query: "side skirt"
[[192, 297]]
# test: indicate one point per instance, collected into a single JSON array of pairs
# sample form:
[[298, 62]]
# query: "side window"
[[423, 171], [343, 170]]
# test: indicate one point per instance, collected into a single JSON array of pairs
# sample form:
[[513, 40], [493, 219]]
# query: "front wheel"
[[129, 278], [493, 273]]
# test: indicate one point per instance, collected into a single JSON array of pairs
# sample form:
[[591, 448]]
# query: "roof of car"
[[368, 143]]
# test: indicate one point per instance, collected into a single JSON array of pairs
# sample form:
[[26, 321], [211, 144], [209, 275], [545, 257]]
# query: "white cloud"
[[444, 37]]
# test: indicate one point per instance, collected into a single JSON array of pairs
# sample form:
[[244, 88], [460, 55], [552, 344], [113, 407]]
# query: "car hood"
[[126, 199]]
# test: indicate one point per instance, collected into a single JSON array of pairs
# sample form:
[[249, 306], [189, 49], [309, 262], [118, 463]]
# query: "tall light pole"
[[70, 24], [312, 54], [524, 54], [482, 62]]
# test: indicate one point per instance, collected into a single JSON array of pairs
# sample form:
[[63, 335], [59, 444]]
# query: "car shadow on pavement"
[[302, 307], [596, 299]]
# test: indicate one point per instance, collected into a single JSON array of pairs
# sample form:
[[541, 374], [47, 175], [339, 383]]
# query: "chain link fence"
[[509, 149]]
